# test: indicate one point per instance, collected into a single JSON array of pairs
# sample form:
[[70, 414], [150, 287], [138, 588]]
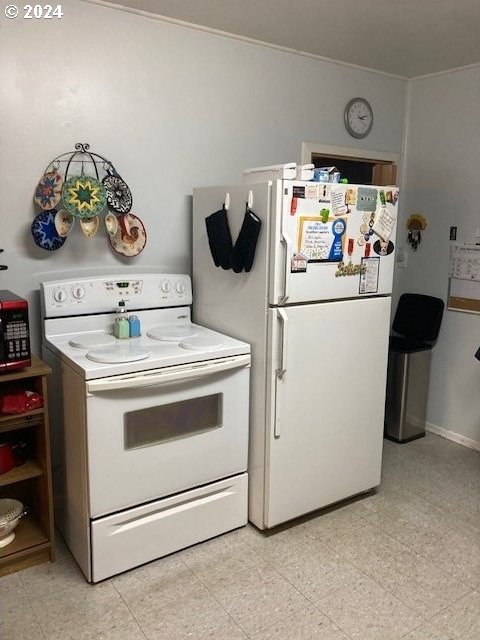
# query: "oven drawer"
[[142, 534]]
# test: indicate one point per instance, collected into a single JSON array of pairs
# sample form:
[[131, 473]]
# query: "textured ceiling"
[[403, 37]]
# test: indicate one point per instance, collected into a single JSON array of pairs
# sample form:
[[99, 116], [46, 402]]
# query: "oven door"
[[159, 432]]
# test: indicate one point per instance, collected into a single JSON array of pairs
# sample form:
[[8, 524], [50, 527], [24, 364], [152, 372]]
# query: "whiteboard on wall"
[[464, 281]]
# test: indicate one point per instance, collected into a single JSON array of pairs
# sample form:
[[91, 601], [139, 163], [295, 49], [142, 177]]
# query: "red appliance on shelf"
[[14, 332]]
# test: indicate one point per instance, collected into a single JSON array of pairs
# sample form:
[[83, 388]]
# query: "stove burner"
[[92, 340], [119, 353], [202, 343], [172, 333]]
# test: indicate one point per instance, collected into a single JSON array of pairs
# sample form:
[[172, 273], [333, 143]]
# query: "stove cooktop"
[[168, 338], [79, 318]]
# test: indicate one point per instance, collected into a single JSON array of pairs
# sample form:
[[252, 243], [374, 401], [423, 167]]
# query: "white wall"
[[442, 182], [173, 108]]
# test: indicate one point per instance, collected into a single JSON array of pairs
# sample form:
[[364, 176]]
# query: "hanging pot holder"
[[119, 196], [244, 250], [45, 233], [131, 237], [49, 190], [84, 196], [219, 238]]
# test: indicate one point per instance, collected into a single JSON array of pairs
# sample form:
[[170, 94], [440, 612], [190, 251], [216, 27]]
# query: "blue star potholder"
[[44, 232]]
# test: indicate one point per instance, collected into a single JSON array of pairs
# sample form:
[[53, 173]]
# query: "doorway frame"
[[369, 155]]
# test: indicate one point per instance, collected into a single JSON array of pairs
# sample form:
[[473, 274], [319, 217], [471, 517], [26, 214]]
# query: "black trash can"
[[417, 324]]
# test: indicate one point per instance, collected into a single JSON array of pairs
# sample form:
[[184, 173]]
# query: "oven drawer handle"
[[162, 376]]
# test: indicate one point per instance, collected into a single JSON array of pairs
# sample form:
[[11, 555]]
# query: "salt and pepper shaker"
[[134, 323], [121, 328]]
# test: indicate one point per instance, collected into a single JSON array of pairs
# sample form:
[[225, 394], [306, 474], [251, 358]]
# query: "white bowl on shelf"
[[10, 513]]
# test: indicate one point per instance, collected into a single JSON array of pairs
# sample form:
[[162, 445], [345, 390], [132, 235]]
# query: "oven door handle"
[[159, 377]]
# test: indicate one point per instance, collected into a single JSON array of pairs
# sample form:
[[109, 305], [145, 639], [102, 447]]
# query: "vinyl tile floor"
[[400, 562]]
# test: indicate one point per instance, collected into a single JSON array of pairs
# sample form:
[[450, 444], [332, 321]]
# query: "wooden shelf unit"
[[31, 483]]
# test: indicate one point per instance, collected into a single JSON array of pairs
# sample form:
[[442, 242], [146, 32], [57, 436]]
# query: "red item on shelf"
[[7, 463], [20, 401]]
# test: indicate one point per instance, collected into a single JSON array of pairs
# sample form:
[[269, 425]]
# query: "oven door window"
[[147, 427]]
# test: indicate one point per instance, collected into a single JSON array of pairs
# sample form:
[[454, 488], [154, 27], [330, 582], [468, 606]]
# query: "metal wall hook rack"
[[81, 155], [98, 198]]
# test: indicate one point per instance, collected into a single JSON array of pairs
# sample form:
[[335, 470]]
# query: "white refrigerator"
[[315, 307]]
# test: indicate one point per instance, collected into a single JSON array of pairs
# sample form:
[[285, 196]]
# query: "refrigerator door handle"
[[278, 407], [285, 239], [280, 373], [281, 315]]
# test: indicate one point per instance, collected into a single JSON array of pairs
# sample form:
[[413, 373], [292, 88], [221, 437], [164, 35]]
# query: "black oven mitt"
[[244, 249], [219, 238]]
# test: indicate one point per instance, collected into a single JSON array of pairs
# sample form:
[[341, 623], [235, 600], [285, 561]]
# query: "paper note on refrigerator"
[[339, 204], [369, 277], [319, 241], [384, 223]]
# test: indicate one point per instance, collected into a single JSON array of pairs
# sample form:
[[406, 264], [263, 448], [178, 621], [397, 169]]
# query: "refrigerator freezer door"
[[320, 228], [326, 406]]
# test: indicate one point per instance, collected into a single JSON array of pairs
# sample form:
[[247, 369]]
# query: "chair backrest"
[[418, 317]]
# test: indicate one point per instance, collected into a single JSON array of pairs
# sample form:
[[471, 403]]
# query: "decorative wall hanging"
[[415, 224], [73, 186]]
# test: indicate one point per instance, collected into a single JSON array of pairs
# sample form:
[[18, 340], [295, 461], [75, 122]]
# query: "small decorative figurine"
[[415, 224]]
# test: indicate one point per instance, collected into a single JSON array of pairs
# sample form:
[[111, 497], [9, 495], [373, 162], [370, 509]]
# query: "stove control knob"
[[166, 286], [181, 287], [60, 295], [78, 292]]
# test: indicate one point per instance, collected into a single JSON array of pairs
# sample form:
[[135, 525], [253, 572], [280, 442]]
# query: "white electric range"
[[150, 433]]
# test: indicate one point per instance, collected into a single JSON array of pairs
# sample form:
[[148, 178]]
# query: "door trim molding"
[[348, 152]]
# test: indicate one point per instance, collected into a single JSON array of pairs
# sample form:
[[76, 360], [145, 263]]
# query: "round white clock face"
[[358, 117]]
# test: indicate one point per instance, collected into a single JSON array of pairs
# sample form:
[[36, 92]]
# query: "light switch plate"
[[401, 258]]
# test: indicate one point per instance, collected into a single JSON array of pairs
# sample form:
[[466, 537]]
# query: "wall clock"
[[358, 117]]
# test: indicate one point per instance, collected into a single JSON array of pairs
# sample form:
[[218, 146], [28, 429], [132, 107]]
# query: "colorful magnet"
[[311, 191], [298, 263], [368, 246], [361, 241], [324, 215], [351, 196], [350, 269], [298, 192], [338, 229], [350, 247], [364, 229], [324, 193], [366, 199], [383, 248], [293, 206]]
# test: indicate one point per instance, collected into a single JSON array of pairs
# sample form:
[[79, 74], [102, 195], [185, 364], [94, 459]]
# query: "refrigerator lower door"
[[326, 401]]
